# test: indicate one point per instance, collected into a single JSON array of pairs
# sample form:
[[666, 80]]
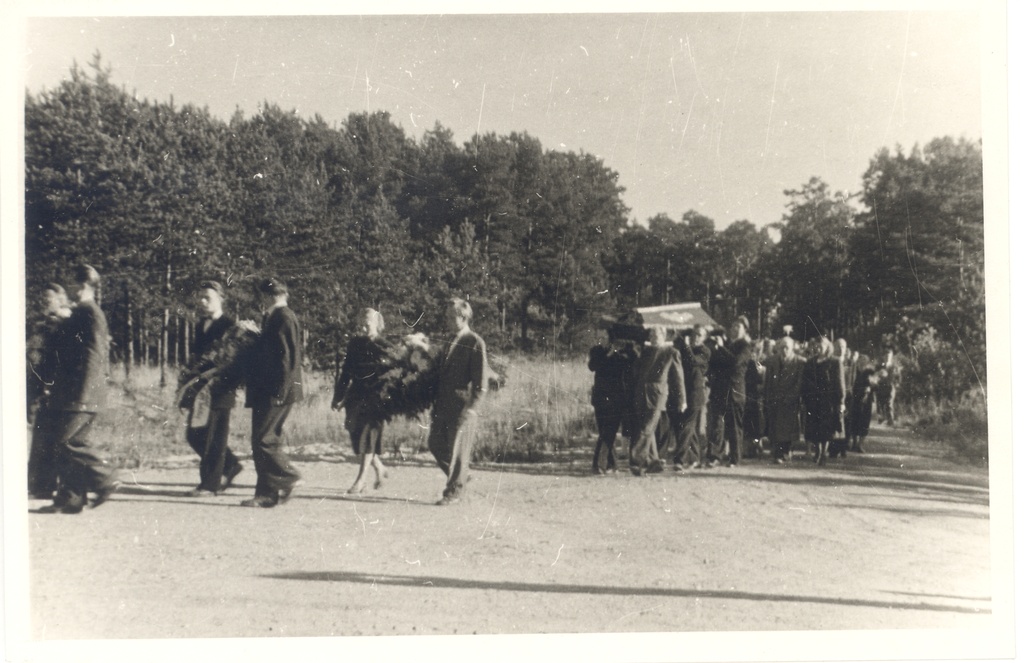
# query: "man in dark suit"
[[728, 371], [461, 383], [274, 383], [658, 387], [207, 431], [611, 365], [693, 425], [79, 394]]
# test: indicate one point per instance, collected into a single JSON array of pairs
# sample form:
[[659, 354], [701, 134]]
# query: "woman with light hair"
[[823, 395], [355, 390]]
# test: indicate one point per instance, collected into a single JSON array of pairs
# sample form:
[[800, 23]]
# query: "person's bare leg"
[[360, 484], [382, 472]]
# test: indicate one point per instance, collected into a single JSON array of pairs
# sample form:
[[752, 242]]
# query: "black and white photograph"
[[625, 332]]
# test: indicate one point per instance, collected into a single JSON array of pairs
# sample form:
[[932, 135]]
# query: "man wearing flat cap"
[[728, 371], [273, 385]]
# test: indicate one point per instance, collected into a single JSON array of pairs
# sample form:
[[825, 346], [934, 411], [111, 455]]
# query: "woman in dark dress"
[[823, 397], [865, 384], [356, 390]]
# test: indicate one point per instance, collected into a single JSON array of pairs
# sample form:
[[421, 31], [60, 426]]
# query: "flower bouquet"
[[226, 362], [408, 385]]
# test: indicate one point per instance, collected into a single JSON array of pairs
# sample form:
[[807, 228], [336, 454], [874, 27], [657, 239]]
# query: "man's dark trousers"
[[273, 469], [211, 443], [734, 427], [79, 467], [689, 448]]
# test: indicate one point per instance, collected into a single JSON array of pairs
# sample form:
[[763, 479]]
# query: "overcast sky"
[[717, 112]]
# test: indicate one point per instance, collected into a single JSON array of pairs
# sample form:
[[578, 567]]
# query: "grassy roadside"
[[544, 406]]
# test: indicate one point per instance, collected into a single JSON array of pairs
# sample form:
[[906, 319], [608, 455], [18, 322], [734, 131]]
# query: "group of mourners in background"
[[705, 399], [70, 371]]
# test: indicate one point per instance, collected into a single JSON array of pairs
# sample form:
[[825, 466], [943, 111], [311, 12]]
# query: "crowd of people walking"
[[708, 399], [68, 389], [701, 399]]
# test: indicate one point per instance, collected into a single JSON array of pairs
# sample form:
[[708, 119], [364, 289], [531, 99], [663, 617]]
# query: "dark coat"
[[204, 346], [727, 372], [658, 376], [357, 384], [783, 382], [81, 383], [753, 414], [695, 371], [44, 371], [612, 380], [461, 378], [822, 393], [862, 401], [275, 377]]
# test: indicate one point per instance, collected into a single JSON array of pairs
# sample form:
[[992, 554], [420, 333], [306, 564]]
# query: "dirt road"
[[889, 539]]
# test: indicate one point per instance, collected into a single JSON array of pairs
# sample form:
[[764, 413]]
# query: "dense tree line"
[[159, 197]]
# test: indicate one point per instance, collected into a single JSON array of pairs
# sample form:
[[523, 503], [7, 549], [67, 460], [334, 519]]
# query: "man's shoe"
[[678, 467], [199, 491], [448, 500], [285, 494], [229, 477], [104, 493], [260, 501], [655, 467], [74, 508], [49, 508]]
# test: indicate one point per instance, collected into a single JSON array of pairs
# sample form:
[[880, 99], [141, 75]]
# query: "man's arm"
[[285, 338], [477, 370], [676, 386]]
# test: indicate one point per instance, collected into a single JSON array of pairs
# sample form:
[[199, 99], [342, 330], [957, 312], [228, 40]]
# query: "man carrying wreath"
[[209, 416]]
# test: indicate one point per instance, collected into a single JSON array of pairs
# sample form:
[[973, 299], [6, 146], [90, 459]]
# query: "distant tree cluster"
[[905, 269], [160, 197]]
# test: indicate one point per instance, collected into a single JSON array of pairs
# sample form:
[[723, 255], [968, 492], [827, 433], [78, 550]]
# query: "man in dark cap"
[[728, 371], [208, 428], [79, 394], [274, 383]]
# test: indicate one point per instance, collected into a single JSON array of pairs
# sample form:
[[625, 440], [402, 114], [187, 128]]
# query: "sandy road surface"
[[891, 539]]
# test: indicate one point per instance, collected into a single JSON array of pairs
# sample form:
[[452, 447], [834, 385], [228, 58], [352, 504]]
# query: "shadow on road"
[[438, 582], [911, 482]]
